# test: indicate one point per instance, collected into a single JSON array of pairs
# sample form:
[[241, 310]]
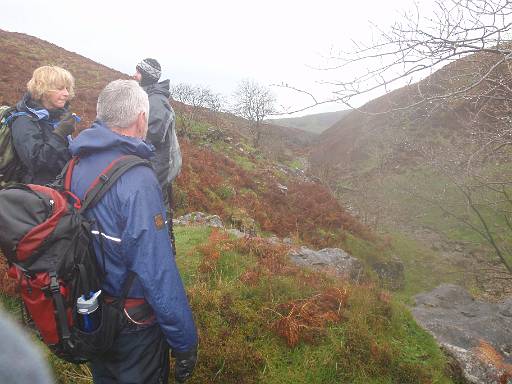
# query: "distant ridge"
[[385, 128], [316, 123]]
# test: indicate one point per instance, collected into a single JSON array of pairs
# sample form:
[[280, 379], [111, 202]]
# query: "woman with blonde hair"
[[40, 132]]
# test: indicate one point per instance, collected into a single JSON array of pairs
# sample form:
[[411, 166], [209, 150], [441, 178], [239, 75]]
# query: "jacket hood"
[[100, 138], [161, 88], [37, 111]]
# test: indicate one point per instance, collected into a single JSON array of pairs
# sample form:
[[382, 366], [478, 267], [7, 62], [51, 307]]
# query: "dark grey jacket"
[[162, 133], [42, 152]]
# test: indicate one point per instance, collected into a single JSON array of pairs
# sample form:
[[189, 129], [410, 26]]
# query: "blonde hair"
[[50, 78]]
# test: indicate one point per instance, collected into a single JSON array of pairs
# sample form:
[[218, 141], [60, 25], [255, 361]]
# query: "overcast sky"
[[209, 43]]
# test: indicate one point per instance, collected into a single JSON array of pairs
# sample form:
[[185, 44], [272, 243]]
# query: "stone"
[[201, 219], [464, 327], [329, 260], [282, 188], [287, 241]]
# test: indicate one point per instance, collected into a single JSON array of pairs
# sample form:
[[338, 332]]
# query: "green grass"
[[376, 342], [424, 269], [295, 163], [243, 162], [238, 344], [420, 198]]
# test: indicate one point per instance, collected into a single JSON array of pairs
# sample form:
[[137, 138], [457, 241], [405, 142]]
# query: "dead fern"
[[487, 353], [306, 320]]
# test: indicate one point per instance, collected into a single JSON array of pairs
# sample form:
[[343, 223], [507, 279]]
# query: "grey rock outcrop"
[[199, 218], [463, 326], [329, 260]]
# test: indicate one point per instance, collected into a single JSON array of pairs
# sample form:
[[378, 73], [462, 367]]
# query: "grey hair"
[[120, 103]]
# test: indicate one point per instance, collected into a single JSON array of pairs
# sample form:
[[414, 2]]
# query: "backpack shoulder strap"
[[107, 178], [8, 114]]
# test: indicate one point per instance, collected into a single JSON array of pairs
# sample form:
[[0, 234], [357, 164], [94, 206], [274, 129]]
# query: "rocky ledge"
[[476, 334]]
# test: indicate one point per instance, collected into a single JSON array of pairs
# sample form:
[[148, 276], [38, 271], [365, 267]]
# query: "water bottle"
[[89, 312]]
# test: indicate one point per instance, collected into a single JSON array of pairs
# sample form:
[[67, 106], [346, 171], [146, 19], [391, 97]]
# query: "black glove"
[[185, 364], [66, 125]]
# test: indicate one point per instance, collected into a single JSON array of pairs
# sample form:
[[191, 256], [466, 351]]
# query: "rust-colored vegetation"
[[487, 353], [306, 320], [298, 320], [307, 210], [211, 251], [7, 285]]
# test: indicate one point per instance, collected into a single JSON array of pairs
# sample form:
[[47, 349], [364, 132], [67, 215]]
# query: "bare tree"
[[466, 48], [418, 44], [254, 102], [197, 98]]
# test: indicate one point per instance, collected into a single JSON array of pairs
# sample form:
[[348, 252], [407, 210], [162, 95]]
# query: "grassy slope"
[[240, 290], [392, 168]]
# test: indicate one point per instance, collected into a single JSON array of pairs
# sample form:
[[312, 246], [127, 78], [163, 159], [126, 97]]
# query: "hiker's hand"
[[185, 364], [66, 125]]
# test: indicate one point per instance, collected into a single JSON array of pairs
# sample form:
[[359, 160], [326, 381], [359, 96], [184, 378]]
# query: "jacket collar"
[[37, 111], [100, 138]]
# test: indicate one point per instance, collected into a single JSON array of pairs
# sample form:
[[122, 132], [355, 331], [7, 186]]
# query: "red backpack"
[[47, 242]]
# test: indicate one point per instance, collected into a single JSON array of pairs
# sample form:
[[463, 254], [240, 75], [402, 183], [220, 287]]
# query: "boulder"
[[199, 218], [476, 334], [329, 260]]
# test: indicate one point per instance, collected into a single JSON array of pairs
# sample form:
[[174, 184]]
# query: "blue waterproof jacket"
[[42, 152], [133, 234]]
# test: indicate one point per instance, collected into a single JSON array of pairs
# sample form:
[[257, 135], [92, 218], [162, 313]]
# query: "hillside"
[[26, 53], [440, 169], [260, 318], [315, 123], [387, 127]]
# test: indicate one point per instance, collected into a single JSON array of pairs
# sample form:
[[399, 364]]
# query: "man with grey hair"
[[131, 236]]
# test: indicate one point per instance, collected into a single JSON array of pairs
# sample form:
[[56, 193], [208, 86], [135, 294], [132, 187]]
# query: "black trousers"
[[138, 357]]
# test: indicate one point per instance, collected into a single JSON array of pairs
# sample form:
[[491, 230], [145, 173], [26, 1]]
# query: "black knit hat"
[[150, 71]]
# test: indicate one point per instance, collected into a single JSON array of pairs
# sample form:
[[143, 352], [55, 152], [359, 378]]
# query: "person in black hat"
[[161, 131]]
